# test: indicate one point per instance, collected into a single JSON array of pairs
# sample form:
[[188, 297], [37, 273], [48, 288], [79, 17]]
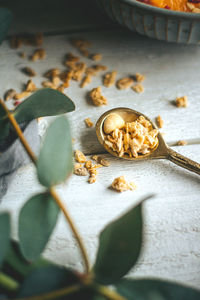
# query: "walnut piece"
[[52, 73], [109, 79], [30, 86], [100, 160], [139, 77], [29, 71], [138, 88], [159, 121], [97, 98], [48, 84], [38, 54], [124, 83], [79, 156], [80, 170], [96, 56], [9, 94], [121, 185], [86, 80], [21, 95], [182, 143], [88, 122], [182, 101]]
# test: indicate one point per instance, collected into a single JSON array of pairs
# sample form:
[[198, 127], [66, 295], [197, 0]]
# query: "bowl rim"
[[167, 12]]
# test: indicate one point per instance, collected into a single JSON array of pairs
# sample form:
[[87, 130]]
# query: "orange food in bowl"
[[180, 5]]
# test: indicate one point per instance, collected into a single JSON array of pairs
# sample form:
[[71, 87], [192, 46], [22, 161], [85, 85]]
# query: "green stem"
[[8, 283], [108, 293], [54, 294]]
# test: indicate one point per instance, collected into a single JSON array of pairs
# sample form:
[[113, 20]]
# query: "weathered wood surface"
[[172, 224]]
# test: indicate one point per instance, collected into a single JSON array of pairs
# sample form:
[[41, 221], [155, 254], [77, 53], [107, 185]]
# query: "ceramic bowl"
[[154, 22]]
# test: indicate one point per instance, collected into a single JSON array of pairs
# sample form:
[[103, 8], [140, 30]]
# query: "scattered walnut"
[[26, 39], [30, 86], [121, 185], [182, 101], [97, 98], [78, 43], [99, 159], [52, 73], [56, 80], [61, 88], [138, 88], [89, 123], [66, 77], [71, 60], [48, 84], [100, 68], [196, 10], [159, 121], [92, 169], [28, 71], [139, 77], [9, 94], [182, 143], [38, 54], [79, 156], [21, 95], [109, 79], [96, 56], [80, 170], [78, 71], [124, 83], [86, 80]]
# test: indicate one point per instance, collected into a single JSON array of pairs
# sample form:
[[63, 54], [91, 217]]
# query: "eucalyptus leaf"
[[4, 124], [150, 289], [45, 102], [5, 20], [17, 265], [37, 220], [4, 235], [55, 159], [47, 279], [119, 247]]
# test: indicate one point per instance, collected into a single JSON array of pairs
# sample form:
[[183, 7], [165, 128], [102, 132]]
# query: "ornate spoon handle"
[[183, 161]]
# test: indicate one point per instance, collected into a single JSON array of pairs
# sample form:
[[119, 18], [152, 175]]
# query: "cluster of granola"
[[121, 185], [182, 101], [85, 167], [128, 82], [97, 98], [134, 138]]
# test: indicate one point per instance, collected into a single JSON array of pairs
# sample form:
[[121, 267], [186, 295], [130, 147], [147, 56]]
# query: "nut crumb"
[[97, 98], [52, 73], [56, 80], [21, 95], [88, 123], [96, 56], [9, 94], [30, 86], [109, 78], [100, 160], [61, 88], [124, 83], [29, 71], [139, 77], [159, 121], [80, 170], [138, 88], [86, 80], [121, 185], [78, 71], [79, 156], [182, 143], [48, 84], [182, 101], [38, 54]]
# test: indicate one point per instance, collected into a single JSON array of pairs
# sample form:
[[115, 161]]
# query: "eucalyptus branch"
[[108, 293], [8, 283], [54, 294], [52, 190]]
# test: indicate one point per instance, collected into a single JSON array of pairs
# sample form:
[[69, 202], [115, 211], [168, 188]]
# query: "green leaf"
[[47, 279], [150, 289], [120, 244], [4, 124], [17, 266], [45, 102], [4, 235], [37, 220], [5, 20], [55, 159]]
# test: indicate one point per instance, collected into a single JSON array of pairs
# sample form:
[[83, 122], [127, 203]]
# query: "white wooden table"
[[172, 223]]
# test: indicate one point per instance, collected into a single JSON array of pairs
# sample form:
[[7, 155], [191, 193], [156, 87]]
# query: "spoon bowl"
[[160, 151]]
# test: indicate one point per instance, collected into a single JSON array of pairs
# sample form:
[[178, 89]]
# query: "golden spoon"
[[161, 150]]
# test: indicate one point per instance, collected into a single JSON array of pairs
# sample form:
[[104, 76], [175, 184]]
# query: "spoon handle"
[[183, 161]]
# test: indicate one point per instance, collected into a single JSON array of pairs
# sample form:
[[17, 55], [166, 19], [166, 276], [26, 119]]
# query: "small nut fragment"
[[28, 71], [21, 95], [86, 80], [56, 80], [48, 84], [112, 122], [182, 101], [89, 123], [38, 54], [121, 185], [96, 56], [97, 98], [139, 77], [79, 156], [100, 160], [109, 79], [30, 86], [9, 94], [52, 73], [124, 83], [138, 88], [182, 143], [80, 170], [159, 121]]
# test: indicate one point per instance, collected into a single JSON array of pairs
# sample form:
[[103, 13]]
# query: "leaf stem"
[[8, 283], [54, 294], [52, 190], [108, 293]]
